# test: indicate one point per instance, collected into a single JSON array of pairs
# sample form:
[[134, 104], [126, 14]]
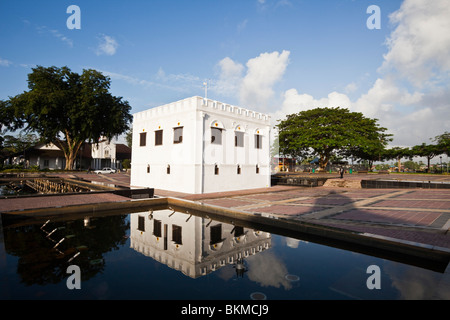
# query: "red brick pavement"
[[390, 216], [414, 204], [12, 204], [287, 210]]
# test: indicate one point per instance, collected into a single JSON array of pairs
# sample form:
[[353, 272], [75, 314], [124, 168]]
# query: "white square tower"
[[198, 145]]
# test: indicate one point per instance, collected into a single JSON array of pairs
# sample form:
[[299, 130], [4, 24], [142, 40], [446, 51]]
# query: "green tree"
[[129, 138], [411, 165], [327, 132], [62, 104], [397, 153], [19, 143], [426, 150], [443, 142]]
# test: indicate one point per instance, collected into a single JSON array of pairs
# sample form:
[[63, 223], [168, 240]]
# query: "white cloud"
[[185, 83], [253, 85], [419, 47], [351, 87], [230, 77], [294, 102], [55, 33], [412, 95], [5, 63], [263, 72], [107, 45]]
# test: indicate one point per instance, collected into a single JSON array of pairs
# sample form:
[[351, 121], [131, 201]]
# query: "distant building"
[[95, 156], [198, 145], [108, 154]]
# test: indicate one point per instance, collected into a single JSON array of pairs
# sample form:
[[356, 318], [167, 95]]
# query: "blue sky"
[[275, 56]]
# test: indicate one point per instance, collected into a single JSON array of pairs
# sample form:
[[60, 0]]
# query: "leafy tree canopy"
[[62, 103], [327, 132]]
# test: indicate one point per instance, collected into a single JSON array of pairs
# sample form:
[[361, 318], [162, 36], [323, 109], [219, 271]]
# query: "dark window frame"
[[177, 234], [159, 137], [142, 139], [258, 141], [157, 228], [141, 223]]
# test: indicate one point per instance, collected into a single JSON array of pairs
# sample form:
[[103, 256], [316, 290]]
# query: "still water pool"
[[171, 255]]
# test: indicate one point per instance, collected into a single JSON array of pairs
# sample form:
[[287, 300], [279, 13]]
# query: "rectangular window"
[[216, 136], [257, 169], [141, 223], [142, 139], [176, 234], [258, 141], [216, 234], [239, 139], [157, 228], [216, 169], [178, 135], [238, 231], [238, 169], [158, 138]]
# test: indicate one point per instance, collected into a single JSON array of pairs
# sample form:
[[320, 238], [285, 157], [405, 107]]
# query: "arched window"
[[238, 136], [216, 132]]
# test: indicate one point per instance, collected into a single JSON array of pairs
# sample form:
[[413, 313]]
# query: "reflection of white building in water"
[[198, 145], [193, 245]]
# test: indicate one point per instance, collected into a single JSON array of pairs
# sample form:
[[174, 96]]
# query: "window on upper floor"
[[238, 139], [258, 141], [216, 136], [158, 138], [178, 135], [142, 139]]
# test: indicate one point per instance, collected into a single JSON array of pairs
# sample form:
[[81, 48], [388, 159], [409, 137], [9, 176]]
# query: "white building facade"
[[198, 145]]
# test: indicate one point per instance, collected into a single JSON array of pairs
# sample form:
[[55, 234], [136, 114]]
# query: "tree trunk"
[[70, 150], [323, 161]]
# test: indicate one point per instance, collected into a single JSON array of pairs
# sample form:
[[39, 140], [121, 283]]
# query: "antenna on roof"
[[206, 89]]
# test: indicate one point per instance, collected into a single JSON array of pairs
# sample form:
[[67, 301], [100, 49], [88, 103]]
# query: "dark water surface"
[[172, 255]]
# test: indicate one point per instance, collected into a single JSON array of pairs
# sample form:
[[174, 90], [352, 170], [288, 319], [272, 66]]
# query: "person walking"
[[341, 171]]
